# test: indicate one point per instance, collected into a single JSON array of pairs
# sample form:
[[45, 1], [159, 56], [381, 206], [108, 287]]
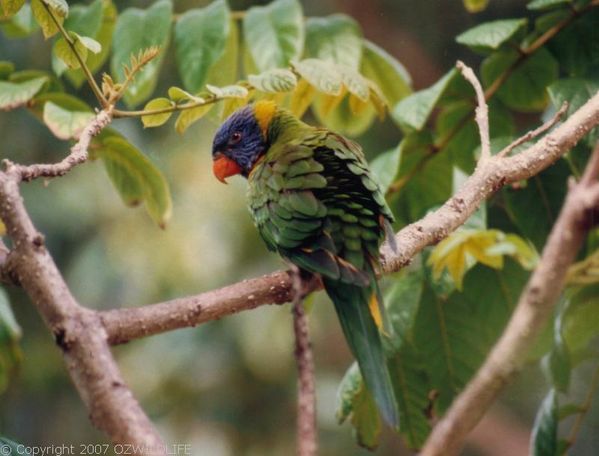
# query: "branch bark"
[[77, 331], [532, 311], [490, 175]]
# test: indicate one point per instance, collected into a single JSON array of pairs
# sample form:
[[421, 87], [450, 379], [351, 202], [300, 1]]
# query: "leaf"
[[200, 40], [135, 31], [546, 4], [544, 432], [354, 82], [60, 99], [580, 319], [575, 91], [274, 34], [385, 167], [13, 95], [386, 72], [321, 75], [475, 6], [525, 88], [63, 51], [9, 447], [403, 299], [135, 177], [189, 116], [301, 98], [411, 386], [224, 70], [412, 112], [558, 360], [346, 114], [533, 208], [336, 38], [21, 25], [97, 20], [354, 400], [274, 81], [10, 7], [10, 335], [6, 68], [65, 124], [454, 334], [489, 36], [232, 91], [59, 9], [155, 120], [178, 95]]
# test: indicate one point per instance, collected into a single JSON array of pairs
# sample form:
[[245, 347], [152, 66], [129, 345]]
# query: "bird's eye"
[[235, 137]]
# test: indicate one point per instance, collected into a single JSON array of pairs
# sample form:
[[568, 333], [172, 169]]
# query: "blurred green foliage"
[[227, 387]]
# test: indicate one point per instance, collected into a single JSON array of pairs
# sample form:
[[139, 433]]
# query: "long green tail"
[[362, 335]]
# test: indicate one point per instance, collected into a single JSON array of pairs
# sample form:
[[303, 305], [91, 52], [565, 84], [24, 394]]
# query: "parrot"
[[314, 201]]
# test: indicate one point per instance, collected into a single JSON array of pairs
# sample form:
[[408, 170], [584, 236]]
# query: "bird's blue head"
[[241, 140]]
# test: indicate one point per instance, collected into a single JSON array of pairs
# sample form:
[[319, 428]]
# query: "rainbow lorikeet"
[[314, 201]]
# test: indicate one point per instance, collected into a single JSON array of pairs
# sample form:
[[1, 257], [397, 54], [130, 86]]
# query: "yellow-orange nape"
[[264, 110]]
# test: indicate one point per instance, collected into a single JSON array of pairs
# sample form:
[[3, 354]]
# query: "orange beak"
[[223, 167]]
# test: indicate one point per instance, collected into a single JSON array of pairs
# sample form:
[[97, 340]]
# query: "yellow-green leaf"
[[189, 116], [274, 81], [63, 123], [354, 82], [135, 177], [59, 10], [321, 74], [475, 6], [155, 120], [62, 49], [177, 95], [231, 91], [10, 335], [15, 94], [10, 7], [301, 98]]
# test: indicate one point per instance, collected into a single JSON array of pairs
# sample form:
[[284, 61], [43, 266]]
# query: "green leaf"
[[411, 386], [232, 91], [97, 21], [21, 24], [13, 95], [320, 74], [354, 82], [457, 134], [135, 177], [581, 318], [63, 100], [135, 31], [189, 116], [475, 6], [155, 120], [6, 68], [274, 34], [544, 432], [178, 95], [525, 88], [386, 72], [559, 364], [201, 37], [10, 8], [489, 36], [13, 448], [412, 112], [336, 38], [59, 9], [346, 114], [385, 167], [224, 70], [63, 123], [63, 51], [546, 4], [10, 335], [454, 334], [534, 207], [403, 299], [274, 81], [355, 400]]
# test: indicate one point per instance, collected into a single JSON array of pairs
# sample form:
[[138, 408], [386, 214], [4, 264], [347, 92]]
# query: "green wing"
[[315, 202]]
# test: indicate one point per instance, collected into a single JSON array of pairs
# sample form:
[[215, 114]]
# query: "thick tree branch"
[[534, 308], [77, 331], [123, 325]]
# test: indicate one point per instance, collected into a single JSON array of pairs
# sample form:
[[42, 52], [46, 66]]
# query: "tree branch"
[[77, 331], [532, 311], [123, 325]]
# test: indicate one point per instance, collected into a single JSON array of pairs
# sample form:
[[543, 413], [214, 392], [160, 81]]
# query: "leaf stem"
[[150, 112], [90, 78]]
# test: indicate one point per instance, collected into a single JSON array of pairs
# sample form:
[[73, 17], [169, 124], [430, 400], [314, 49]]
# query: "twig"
[[77, 156], [123, 325], [481, 111], [77, 331], [536, 132], [307, 433], [88, 74], [534, 307]]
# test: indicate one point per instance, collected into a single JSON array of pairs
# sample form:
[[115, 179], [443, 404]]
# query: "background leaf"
[[336, 38], [63, 123], [13, 95], [544, 432]]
